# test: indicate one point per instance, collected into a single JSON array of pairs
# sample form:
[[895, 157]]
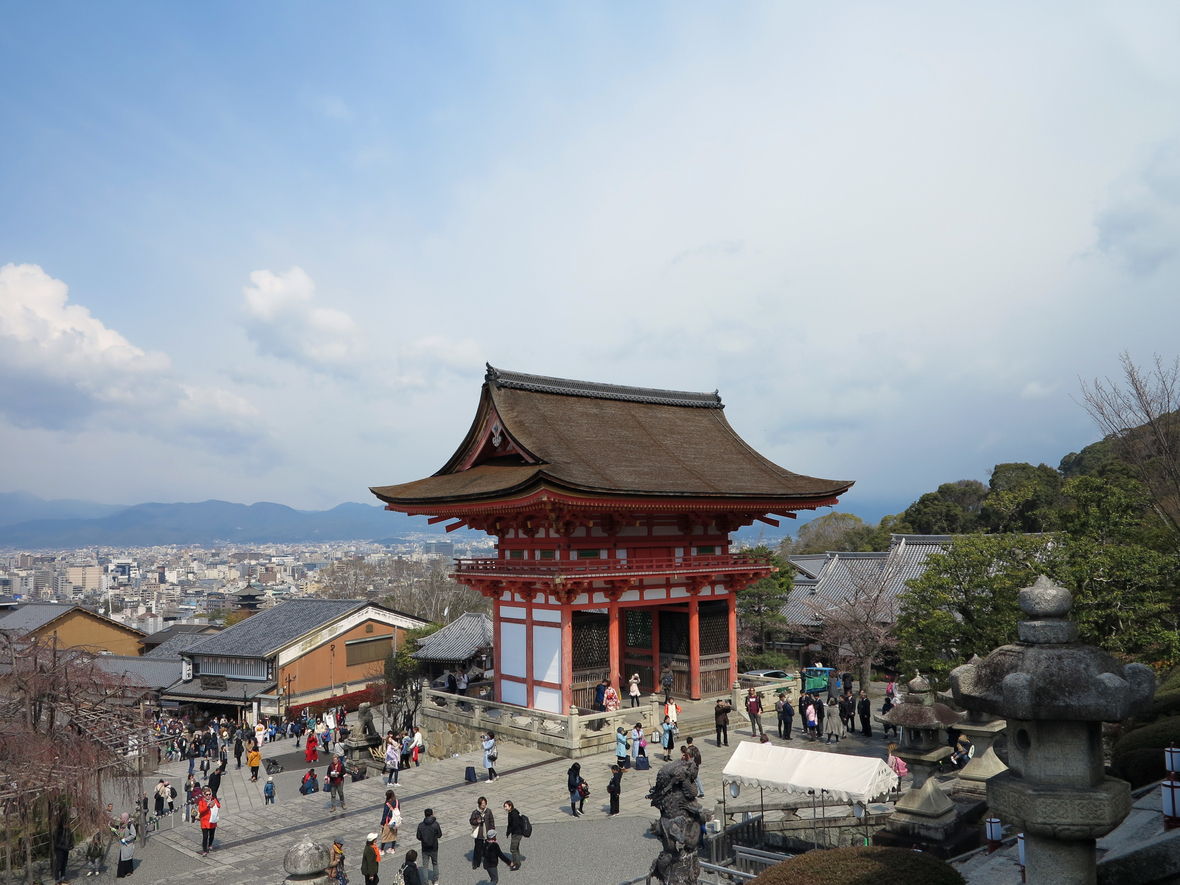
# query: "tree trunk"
[[866, 673]]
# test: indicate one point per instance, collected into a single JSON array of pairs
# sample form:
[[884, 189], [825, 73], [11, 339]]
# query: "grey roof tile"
[[272, 628], [457, 641], [176, 644], [155, 673], [842, 575]]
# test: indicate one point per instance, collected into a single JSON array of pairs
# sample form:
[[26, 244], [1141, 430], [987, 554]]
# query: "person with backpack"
[[268, 792], [579, 792], [490, 754], [666, 682], [409, 870], [519, 827], [481, 821], [391, 819], [428, 834], [614, 789]]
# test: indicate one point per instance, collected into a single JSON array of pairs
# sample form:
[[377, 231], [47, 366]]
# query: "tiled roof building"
[[612, 507], [832, 579]]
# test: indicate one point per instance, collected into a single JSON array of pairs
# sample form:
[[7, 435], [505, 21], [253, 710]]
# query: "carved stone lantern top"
[[918, 708], [1048, 674]]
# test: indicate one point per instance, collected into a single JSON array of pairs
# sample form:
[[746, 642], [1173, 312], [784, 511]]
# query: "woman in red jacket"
[[209, 810]]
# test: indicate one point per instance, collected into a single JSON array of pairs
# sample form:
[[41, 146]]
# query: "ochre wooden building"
[[613, 508]]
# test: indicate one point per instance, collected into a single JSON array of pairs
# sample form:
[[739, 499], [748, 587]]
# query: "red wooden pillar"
[[694, 649], [616, 657], [497, 646], [733, 646], [567, 658], [655, 648]]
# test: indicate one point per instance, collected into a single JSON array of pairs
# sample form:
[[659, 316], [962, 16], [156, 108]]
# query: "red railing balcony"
[[550, 569]]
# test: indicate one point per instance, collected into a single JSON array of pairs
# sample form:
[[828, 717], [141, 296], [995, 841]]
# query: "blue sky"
[[262, 252]]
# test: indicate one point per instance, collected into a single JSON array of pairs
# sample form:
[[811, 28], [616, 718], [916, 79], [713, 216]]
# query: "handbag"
[[643, 743], [214, 812]]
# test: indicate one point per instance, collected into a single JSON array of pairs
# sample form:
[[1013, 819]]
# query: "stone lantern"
[[982, 729], [924, 817], [1055, 694]]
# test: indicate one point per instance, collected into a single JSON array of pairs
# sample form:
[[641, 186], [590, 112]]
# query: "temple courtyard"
[[253, 838]]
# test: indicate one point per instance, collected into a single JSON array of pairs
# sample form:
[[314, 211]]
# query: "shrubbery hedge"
[[1165, 704], [1139, 755], [861, 865], [1170, 684], [1141, 767]]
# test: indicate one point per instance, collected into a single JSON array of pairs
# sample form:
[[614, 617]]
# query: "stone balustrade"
[[453, 723]]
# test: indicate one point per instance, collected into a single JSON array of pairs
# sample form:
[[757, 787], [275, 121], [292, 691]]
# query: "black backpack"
[[526, 827], [172, 792]]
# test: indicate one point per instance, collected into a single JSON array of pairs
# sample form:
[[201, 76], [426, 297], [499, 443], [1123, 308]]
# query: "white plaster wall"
[[546, 654], [547, 699], [512, 651], [514, 693]]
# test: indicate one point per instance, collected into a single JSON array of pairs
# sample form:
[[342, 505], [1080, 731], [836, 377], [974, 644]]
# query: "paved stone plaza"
[[253, 837]]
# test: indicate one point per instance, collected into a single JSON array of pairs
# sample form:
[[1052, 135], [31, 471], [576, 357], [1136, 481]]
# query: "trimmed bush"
[[1165, 704], [1157, 735], [861, 865], [1171, 683], [1141, 767]]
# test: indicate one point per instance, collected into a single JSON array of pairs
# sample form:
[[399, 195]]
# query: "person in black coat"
[[238, 750], [864, 710], [515, 833], [615, 788], [574, 777], [63, 842], [409, 870], [492, 855], [429, 832], [215, 781]]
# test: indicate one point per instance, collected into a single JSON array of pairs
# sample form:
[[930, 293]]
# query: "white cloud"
[[282, 323], [63, 369], [1037, 390], [1140, 225]]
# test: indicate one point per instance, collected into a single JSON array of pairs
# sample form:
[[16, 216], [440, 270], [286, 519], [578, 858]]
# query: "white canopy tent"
[[844, 778]]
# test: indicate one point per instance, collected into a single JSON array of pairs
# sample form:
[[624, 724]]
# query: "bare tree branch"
[[1140, 420]]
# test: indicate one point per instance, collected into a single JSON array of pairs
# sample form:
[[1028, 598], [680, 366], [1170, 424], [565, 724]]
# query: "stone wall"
[[445, 739]]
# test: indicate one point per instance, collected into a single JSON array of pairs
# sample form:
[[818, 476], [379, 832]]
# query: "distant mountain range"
[[29, 522]]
